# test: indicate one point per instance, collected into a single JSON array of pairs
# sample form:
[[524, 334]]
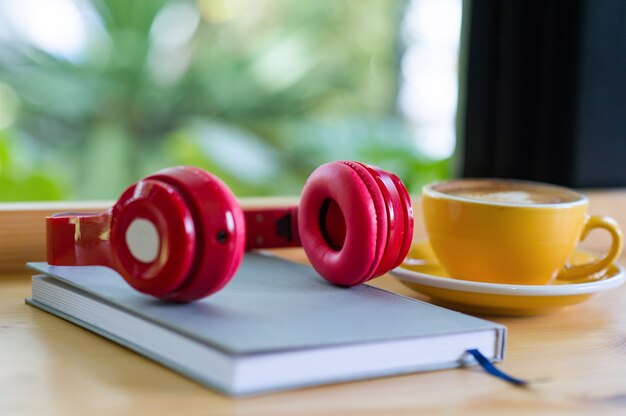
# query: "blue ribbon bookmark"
[[493, 370]]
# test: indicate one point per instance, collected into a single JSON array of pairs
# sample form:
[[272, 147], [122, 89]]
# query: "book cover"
[[276, 326]]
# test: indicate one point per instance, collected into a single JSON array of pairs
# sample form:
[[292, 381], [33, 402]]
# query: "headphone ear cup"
[[343, 192], [219, 227], [406, 210], [399, 219], [152, 245]]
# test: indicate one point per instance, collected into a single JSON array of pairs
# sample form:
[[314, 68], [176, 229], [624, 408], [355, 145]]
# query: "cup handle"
[[570, 272]]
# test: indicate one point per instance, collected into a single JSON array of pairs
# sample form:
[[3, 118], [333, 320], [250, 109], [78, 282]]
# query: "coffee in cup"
[[509, 231]]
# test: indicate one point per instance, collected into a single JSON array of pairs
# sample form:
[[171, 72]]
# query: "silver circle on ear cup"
[[143, 240]]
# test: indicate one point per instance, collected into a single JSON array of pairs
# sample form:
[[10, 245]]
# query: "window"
[[96, 94]]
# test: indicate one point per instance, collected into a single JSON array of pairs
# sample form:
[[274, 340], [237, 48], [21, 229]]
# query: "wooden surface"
[[576, 358]]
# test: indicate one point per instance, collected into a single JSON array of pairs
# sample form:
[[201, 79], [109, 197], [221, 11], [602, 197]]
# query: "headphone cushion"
[[360, 201]]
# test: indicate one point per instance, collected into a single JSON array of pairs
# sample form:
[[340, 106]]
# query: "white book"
[[276, 326]]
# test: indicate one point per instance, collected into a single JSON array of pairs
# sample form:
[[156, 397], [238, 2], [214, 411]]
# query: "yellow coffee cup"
[[513, 232]]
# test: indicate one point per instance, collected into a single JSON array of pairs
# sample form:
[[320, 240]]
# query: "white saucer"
[[422, 273]]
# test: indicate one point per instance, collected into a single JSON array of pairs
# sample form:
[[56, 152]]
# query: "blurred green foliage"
[[259, 93], [21, 182]]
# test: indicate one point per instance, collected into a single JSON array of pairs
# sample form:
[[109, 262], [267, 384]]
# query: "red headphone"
[[180, 234]]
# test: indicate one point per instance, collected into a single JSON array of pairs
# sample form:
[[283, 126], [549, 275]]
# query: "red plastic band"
[[271, 227], [74, 239]]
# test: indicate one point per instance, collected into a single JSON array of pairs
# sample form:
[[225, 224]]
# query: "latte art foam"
[[515, 197], [507, 192]]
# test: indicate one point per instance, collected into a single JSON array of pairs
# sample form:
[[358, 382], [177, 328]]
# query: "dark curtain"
[[545, 91]]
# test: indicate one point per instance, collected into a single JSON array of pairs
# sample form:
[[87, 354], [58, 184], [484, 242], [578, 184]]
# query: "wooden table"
[[576, 358]]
